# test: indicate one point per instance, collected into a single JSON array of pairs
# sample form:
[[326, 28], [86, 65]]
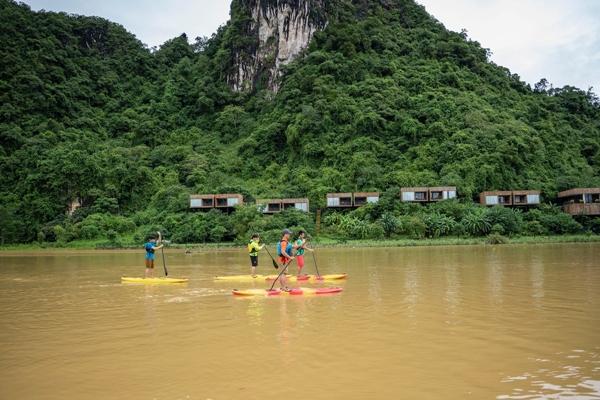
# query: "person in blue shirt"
[[151, 246]]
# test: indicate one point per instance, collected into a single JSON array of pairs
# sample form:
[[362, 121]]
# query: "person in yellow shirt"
[[253, 248]]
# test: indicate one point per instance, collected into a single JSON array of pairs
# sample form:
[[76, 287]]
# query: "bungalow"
[[199, 201], [502, 198], [526, 197], [442, 193], [299, 204], [269, 206], [415, 194], [362, 198], [228, 200], [581, 201], [339, 200]]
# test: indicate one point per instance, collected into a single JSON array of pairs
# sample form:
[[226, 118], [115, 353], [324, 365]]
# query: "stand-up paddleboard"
[[293, 292], [291, 278], [153, 281]]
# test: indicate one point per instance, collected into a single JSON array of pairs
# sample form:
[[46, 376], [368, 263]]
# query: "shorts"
[[283, 260], [300, 261], [254, 261], [149, 263]]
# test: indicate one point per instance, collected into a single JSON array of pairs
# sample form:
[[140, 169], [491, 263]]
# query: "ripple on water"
[[558, 379]]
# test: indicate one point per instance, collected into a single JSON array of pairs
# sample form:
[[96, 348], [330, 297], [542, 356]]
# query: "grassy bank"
[[319, 242]]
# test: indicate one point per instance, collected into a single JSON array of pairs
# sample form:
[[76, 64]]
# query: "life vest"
[[149, 248], [288, 248]]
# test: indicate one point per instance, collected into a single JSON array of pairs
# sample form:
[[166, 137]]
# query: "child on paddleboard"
[[151, 246], [300, 246], [284, 251], [253, 249]]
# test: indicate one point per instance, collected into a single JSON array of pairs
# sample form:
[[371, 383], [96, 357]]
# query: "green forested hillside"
[[384, 97]]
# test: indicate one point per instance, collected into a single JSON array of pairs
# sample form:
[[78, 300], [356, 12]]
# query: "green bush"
[[535, 228], [437, 225], [560, 223], [510, 219], [413, 226], [497, 229], [495, 238], [477, 222]]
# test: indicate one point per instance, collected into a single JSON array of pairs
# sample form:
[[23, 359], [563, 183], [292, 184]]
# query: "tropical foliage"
[[384, 97]]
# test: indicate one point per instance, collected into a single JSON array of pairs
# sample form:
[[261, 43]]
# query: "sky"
[[554, 39]]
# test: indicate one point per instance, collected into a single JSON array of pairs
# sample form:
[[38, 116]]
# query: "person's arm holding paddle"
[[158, 242]]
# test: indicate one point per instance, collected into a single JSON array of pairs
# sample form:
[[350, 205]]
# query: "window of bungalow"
[[419, 195]]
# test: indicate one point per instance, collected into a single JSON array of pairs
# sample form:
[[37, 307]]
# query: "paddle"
[[282, 272], [162, 250], [275, 265], [315, 260], [164, 264]]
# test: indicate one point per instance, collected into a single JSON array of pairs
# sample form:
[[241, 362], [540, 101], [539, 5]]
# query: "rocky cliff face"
[[278, 31]]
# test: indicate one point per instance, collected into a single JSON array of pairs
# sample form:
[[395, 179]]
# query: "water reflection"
[[537, 282]]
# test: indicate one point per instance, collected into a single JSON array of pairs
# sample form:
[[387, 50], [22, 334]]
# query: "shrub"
[[389, 223], [413, 226], [496, 238], [560, 223], [477, 222], [535, 228], [437, 225], [497, 229], [511, 220]]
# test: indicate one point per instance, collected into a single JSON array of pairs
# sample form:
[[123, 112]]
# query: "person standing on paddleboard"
[[151, 246], [300, 246], [253, 249], [284, 251]]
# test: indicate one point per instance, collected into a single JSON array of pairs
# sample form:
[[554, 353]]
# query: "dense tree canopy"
[[384, 97]]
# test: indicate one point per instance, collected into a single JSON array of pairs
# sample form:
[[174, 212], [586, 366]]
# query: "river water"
[[481, 322]]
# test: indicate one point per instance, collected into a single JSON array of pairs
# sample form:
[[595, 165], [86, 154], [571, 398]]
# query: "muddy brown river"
[[480, 322]]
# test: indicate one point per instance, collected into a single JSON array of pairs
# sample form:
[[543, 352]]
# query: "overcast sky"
[[554, 39]]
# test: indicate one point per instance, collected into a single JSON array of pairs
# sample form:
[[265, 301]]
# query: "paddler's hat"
[[287, 232]]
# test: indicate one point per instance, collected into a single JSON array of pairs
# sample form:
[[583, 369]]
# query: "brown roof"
[[578, 191], [366, 194], [265, 201], [497, 193], [202, 196], [414, 189], [333, 195], [442, 189], [525, 192], [228, 195], [290, 201]]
